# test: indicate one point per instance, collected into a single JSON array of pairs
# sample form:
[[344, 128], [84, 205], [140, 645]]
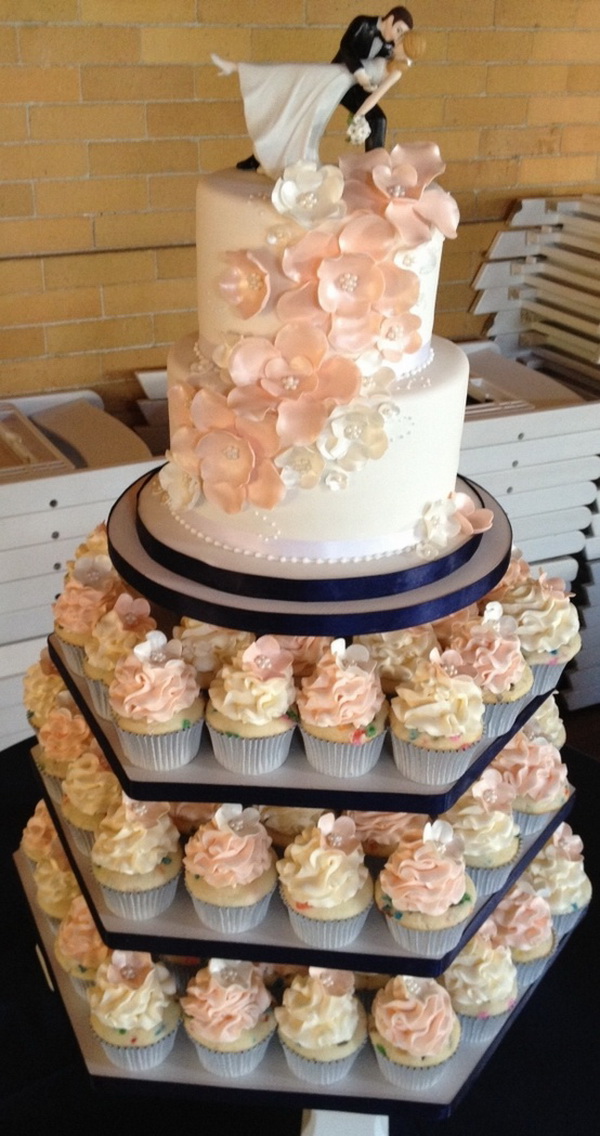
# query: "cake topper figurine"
[[287, 105]]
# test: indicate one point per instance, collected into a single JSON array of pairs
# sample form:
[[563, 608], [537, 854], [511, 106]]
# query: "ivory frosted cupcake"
[[414, 1031], [90, 790], [534, 768], [38, 834], [396, 653], [425, 894], [558, 873], [55, 883], [136, 859], [321, 1025], [41, 684], [251, 711], [325, 884], [482, 984], [547, 723], [133, 1010], [114, 635], [343, 712], [483, 819], [78, 948], [156, 705], [90, 589], [284, 823], [207, 647], [523, 922], [228, 1016], [436, 721], [381, 833], [230, 870], [491, 654]]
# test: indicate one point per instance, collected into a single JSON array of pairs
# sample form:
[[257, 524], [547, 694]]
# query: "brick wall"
[[110, 108]]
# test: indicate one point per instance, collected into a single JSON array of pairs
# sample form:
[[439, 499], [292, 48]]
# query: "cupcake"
[[208, 647], [425, 894], [115, 634], [325, 884], [524, 924], [228, 1016], [156, 705], [55, 884], [558, 873], [251, 713], [490, 651], [90, 790], [285, 823], [187, 816], [547, 723], [306, 650], [436, 721], [342, 712], [483, 820], [230, 870], [90, 590], [94, 544], [413, 1030], [78, 948], [482, 984], [39, 834], [64, 736], [133, 1010], [396, 653], [381, 833], [136, 859], [534, 768], [444, 627], [41, 684], [321, 1025]]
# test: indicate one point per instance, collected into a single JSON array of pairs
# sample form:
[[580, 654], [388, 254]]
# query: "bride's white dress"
[[287, 106]]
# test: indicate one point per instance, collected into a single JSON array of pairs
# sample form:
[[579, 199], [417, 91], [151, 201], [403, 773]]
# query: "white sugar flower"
[[310, 193], [182, 489], [353, 436]]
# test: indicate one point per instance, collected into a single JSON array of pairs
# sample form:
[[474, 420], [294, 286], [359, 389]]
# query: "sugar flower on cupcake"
[[230, 869], [483, 819], [228, 1016], [558, 873], [321, 1025], [414, 1031], [343, 712], [156, 704], [424, 892], [325, 884], [251, 711], [136, 858], [134, 1012]]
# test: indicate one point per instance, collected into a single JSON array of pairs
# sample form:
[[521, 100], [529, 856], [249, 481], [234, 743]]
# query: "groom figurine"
[[369, 37], [366, 37]]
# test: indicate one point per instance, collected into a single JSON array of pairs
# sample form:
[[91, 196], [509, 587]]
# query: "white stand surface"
[[319, 1122]]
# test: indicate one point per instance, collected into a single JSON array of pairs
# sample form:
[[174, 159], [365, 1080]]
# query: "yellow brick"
[[455, 297], [465, 175], [114, 363], [9, 48], [60, 44], [174, 263], [583, 79], [569, 170], [98, 268], [160, 295], [173, 191], [537, 13], [300, 45], [142, 157], [581, 139], [100, 195], [50, 307], [456, 145], [119, 120], [49, 11], [512, 80], [472, 239], [13, 124], [193, 45], [217, 153], [144, 230], [416, 114], [513, 142], [20, 276], [492, 46], [178, 120], [44, 374], [49, 235], [454, 14], [42, 160], [39, 84], [569, 108], [137, 11], [104, 84], [172, 326], [485, 111], [95, 335], [258, 12], [16, 200], [21, 344], [587, 14], [566, 47], [460, 326], [442, 79]]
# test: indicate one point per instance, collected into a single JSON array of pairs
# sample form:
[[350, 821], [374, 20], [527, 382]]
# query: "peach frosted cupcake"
[[396, 653], [133, 1010], [558, 873], [483, 819], [325, 884], [78, 948], [414, 1031], [534, 768], [208, 647], [343, 712], [306, 650], [156, 704], [251, 711], [136, 859], [38, 834], [114, 635], [90, 790], [321, 1025], [425, 894], [41, 684], [523, 922], [64, 736], [381, 833], [482, 984], [230, 870], [490, 650], [228, 1016], [91, 588]]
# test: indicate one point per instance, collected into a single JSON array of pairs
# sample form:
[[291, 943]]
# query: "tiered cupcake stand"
[[362, 1102]]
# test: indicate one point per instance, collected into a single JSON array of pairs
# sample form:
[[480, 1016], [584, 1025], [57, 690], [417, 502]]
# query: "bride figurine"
[[287, 105]]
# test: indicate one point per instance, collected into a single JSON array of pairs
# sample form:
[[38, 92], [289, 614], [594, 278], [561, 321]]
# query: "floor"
[[544, 1079]]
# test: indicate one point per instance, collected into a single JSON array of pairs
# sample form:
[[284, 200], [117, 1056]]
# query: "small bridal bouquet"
[[358, 130]]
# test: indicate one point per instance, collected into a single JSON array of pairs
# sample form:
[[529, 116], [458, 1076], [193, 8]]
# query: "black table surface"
[[544, 1079]]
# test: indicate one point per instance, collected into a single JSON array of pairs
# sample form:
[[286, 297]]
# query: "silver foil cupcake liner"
[[546, 677], [328, 934], [407, 1077], [237, 1064], [74, 656], [99, 697], [429, 944], [530, 823], [161, 752], [342, 759], [250, 756], [139, 1058], [319, 1072], [567, 920], [489, 880], [140, 905], [474, 1030], [434, 767], [83, 838], [231, 920], [499, 717]]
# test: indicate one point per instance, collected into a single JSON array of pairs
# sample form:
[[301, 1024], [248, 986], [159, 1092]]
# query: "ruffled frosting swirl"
[[546, 618], [78, 938], [523, 919], [55, 883], [376, 828], [439, 701], [483, 818], [232, 850], [317, 1012], [483, 972], [257, 687], [343, 690], [558, 873], [135, 837], [131, 992], [65, 734], [547, 722], [116, 633], [39, 833], [153, 682], [288, 820], [324, 866], [208, 647], [88, 593], [428, 878], [224, 999], [306, 650], [414, 1015], [533, 767], [490, 650], [41, 684], [90, 786], [396, 652]]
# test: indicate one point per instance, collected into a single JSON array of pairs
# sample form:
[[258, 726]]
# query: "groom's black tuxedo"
[[361, 41]]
